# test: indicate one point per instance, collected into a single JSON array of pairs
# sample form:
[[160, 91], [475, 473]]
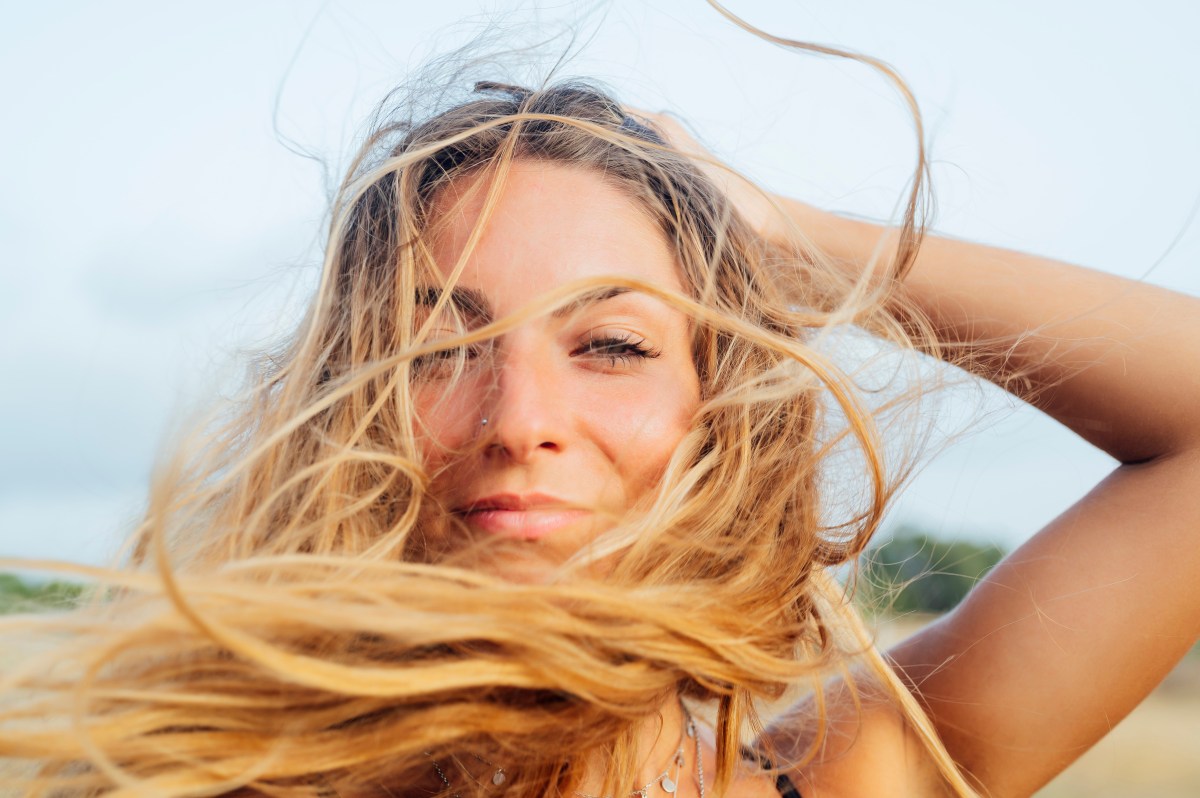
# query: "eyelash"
[[618, 349], [440, 359]]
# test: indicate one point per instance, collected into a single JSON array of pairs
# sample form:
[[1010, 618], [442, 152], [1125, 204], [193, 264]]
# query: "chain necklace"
[[498, 777], [669, 785], [664, 780]]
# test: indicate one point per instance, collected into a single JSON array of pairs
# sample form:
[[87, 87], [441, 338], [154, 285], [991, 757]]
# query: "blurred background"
[[164, 172]]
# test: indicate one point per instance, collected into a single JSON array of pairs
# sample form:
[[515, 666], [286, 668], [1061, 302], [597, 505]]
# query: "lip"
[[526, 516]]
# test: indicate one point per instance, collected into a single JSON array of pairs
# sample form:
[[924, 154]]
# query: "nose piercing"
[[484, 422]]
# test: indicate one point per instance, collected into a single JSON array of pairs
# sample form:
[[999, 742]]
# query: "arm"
[[1074, 629], [1077, 626]]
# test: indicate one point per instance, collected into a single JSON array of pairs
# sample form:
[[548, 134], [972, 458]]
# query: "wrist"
[[798, 226]]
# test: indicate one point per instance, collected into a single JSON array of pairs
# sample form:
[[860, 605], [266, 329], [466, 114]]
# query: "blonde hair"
[[299, 615]]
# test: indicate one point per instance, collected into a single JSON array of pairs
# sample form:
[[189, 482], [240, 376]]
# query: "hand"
[[757, 206]]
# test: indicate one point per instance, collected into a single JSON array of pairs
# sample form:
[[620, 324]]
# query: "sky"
[[160, 211]]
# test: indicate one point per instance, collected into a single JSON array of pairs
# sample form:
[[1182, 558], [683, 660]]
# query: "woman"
[[542, 477]]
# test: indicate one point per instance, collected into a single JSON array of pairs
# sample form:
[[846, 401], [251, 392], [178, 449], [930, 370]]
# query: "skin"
[[583, 408]]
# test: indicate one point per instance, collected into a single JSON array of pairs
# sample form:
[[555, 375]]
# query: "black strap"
[[785, 787], [783, 784]]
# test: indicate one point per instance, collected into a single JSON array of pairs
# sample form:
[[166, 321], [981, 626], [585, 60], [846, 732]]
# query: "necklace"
[[498, 777], [670, 785]]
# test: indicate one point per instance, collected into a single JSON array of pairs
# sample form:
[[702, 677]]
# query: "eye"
[[443, 363], [619, 349]]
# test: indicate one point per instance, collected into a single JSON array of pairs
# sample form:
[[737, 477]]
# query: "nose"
[[528, 413]]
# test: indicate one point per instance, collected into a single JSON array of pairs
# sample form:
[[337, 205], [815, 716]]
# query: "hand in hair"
[[784, 221], [758, 207]]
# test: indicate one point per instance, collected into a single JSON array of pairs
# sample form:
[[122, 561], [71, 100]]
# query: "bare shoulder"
[[867, 748]]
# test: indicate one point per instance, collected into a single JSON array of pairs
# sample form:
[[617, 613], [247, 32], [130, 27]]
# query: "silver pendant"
[[498, 778], [667, 784]]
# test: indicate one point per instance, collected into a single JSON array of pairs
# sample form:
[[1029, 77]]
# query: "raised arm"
[[1076, 627]]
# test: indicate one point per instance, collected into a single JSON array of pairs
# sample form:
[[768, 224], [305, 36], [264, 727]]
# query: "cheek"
[[446, 422], [644, 428]]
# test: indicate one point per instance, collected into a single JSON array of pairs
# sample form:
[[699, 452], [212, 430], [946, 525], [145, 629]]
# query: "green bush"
[[915, 572], [20, 595]]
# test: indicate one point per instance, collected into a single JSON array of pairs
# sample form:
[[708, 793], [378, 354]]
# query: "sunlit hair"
[[300, 615]]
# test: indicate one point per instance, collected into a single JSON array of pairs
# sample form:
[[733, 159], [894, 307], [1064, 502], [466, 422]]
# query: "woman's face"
[[583, 406]]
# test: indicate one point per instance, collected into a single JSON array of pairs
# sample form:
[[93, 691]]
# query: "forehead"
[[551, 224]]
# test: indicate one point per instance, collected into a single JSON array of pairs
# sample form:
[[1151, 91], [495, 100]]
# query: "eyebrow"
[[468, 301], [590, 298], [473, 303]]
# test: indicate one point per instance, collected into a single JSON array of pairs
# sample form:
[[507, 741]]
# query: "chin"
[[543, 561]]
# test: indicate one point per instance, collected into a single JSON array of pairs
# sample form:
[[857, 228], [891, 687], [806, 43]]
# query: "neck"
[[660, 737]]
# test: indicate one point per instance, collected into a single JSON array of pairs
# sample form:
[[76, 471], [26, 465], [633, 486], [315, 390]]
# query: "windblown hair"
[[301, 616]]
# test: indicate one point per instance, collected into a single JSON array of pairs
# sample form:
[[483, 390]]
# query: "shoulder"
[[867, 748]]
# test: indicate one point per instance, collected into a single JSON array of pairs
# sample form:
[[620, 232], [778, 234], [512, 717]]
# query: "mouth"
[[522, 517]]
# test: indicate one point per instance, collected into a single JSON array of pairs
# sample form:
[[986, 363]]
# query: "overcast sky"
[[153, 224]]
